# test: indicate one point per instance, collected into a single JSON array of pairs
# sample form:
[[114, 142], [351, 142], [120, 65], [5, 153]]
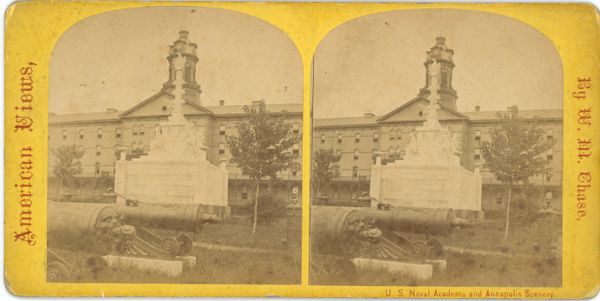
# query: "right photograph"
[[437, 143]]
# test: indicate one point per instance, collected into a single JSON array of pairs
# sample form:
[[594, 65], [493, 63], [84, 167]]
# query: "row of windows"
[[295, 129], [137, 130]]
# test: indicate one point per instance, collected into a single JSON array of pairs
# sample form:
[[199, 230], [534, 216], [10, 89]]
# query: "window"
[[134, 130], [99, 134], [550, 155], [392, 135], [118, 133], [244, 192], [80, 133], [549, 178], [355, 154], [322, 139], [477, 155], [355, 172], [97, 167], [376, 137], [477, 135], [296, 128], [294, 173], [64, 135], [420, 113], [295, 149], [357, 138], [222, 130], [221, 149], [375, 154], [549, 135], [399, 135], [339, 138], [141, 129], [98, 150]]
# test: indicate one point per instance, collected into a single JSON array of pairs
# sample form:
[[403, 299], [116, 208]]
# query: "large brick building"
[[359, 139], [103, 135]]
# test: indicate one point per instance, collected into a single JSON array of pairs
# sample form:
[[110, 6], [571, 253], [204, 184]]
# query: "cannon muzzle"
[[178, 217], [417, 220]]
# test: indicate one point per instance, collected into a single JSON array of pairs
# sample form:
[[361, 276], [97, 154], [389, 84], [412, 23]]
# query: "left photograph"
[[174, 150]]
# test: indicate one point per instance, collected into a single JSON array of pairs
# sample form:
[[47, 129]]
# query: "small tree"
[[515, 153], [325, 168], [68, 163], [262, 147]]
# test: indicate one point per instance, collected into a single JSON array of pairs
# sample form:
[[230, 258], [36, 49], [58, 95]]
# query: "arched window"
[[399, 135], [322, 138], [340, 137], [357, 138], [141, 129], [375, 137], [64, 135], [222, 130], [80, 133], [98, 150], [355, 153], [118, 132], [100, 133], [355, 172], [244, 192]]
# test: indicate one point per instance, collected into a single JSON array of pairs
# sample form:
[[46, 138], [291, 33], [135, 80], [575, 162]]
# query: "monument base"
[[402, 184], [172, 182]]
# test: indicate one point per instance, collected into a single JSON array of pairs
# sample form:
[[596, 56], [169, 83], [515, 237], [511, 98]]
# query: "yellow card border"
[[32, 29]]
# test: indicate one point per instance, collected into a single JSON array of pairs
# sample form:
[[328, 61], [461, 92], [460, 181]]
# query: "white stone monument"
[[430, 175], [176, 169]]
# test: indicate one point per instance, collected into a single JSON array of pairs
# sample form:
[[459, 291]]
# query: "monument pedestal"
[[430, 176], [172, 182]]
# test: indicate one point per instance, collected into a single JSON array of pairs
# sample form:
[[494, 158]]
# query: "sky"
[[375, 63], [118, 59]]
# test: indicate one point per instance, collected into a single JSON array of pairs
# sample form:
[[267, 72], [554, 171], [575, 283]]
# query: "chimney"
[[222, 102], [477, 108], [258, 102]]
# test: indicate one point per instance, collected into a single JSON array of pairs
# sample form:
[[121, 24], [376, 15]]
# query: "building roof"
[[346, 121], [239, 109], [84, 117], [492, 115], [114, 115]]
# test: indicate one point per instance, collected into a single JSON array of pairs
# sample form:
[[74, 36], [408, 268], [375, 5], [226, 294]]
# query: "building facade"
[[104, 135], [360, 139]]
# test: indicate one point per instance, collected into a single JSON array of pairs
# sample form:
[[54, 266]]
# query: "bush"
[[270, 208]]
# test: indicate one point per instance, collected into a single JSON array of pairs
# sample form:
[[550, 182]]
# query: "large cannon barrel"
[[178, 217], [96, 228], [340, 230], [418, 220]]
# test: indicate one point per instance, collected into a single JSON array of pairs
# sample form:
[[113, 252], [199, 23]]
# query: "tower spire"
[[185, 50], [440, 53]]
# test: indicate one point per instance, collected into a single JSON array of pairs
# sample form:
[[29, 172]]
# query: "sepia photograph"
[[174, 149], [436, 153]]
